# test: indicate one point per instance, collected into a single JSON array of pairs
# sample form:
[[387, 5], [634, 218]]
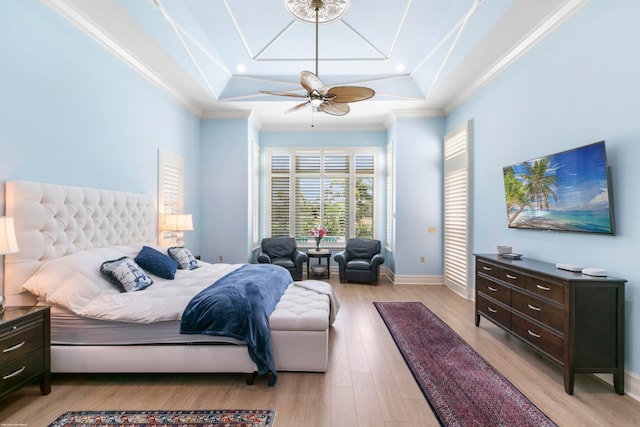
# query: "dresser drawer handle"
[[533, 307], [13, 374], [15, 347], [533, 334], [492, 289], [509, 276], [542, 288], [493, 310], [484, 267]]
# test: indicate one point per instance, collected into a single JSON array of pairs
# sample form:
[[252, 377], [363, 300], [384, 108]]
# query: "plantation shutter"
[[456, 210], [170, 191], [389, 181], [280, 195], [308, 192], [255, 194], [364, 171]]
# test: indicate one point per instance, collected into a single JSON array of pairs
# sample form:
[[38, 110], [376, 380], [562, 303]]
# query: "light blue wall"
[[225, 195], [578, 86], [71, 113], [418, 196]]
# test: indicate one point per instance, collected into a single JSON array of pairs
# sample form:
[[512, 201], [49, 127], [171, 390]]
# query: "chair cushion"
[[279, 247], [359, 264], [362, 249], [283, 262]]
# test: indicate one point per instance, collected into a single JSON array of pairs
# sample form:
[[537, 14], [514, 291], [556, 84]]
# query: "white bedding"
[[75, 283]]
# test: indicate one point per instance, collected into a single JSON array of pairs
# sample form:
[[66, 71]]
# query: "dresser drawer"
[[513, 277], [546, 313], [494, 312], [483, 267], [494, 290], [22, 370], [20, 340], [546, 289], [538, 336]]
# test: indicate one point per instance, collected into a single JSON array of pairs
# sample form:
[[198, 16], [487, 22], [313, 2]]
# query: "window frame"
[[377, 176]]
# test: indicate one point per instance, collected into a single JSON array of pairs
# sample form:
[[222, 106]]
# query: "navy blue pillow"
[[157, 263]]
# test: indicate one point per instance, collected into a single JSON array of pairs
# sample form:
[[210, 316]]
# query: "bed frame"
[[53, 220]]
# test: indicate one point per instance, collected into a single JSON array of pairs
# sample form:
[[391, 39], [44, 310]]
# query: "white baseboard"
[[417, 280], [631, 383]]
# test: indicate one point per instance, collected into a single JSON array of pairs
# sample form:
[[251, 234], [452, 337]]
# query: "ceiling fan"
[[333, 100]]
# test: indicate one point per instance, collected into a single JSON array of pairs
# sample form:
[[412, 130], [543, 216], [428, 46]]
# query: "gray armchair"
[[283, 251], [360, 261]]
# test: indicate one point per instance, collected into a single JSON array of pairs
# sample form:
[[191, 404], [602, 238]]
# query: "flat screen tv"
[[566, 191]]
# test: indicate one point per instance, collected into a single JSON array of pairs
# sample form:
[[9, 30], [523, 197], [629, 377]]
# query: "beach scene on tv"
[[566, 191]]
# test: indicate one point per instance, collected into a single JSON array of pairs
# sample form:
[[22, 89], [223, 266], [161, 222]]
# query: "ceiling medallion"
[[329, 11]]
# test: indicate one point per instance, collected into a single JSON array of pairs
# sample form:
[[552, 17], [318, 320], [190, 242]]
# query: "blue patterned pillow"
[[125, 274], [184, 257], [155, 262]]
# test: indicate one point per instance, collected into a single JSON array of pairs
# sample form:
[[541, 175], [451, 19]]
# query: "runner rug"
[[462, 388], [216, 418]]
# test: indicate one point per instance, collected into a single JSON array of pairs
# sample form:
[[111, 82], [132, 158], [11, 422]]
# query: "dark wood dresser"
[[25, 348], [575, 320]]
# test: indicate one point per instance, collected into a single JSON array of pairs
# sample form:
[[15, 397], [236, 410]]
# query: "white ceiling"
[[192, 50]]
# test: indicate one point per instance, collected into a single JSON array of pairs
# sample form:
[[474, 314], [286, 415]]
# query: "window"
[[334, 188], [390, 210]]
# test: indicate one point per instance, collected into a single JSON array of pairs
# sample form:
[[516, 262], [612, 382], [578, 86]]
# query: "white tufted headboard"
[[55, 220]]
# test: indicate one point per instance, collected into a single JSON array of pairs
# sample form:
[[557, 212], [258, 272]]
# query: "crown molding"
[[557, 18], [69, 12]]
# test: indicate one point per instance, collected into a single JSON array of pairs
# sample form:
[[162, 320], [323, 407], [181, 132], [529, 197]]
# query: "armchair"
[[360, 261], [283, 251]]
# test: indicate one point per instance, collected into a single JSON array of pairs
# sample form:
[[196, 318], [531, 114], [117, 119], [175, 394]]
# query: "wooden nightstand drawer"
[[24, 339], [25, 354], [21, 371]]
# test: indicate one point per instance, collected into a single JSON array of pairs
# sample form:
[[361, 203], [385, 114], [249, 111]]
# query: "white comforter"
[[75, 283]]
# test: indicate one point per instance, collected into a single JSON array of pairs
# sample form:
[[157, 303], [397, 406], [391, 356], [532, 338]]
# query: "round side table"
[[319, 270]]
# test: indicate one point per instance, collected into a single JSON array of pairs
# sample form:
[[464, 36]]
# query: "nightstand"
[[25, 348]]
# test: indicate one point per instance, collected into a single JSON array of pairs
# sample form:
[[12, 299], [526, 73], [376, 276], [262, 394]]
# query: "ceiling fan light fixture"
[[304, 10]]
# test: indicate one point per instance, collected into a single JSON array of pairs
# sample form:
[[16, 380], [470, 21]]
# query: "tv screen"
[[567, 191]]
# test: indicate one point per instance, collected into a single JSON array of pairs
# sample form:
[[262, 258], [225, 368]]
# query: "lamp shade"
[[180, 222], [8, 242]]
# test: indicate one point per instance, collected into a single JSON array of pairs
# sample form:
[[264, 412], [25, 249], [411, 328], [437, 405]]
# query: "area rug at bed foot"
[[461, 387], [211, 418]]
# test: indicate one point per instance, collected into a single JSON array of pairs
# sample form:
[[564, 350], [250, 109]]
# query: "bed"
[[66, 233]]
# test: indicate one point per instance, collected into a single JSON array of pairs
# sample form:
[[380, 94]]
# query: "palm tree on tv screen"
[[538, 182]]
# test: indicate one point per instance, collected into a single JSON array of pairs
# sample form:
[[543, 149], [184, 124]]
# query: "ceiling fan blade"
[[294, 95], [311, 82], [297, 107], [344, 94], [334, 109]]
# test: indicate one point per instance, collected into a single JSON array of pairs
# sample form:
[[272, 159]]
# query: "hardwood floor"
[[367, 384]]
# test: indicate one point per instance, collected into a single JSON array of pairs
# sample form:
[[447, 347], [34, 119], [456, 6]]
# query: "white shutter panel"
[[456, 210]]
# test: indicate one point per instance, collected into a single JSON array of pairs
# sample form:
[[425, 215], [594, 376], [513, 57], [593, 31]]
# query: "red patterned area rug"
[[216, 418], [462, 388]]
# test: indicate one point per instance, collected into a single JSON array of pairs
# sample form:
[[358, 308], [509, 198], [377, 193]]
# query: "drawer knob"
[[542, 288], [533, 307], [492, 289], [533, 334], [12, 348], [13, 374], [509, 276], [484, 267], [491, 309]]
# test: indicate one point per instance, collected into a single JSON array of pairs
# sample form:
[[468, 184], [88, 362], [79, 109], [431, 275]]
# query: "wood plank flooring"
[[367, 384]]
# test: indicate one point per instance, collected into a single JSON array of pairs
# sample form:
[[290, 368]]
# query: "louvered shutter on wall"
[[456, 210], [170, 191]]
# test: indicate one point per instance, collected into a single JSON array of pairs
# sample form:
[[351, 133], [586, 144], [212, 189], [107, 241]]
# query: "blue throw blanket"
[[238, 306]]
